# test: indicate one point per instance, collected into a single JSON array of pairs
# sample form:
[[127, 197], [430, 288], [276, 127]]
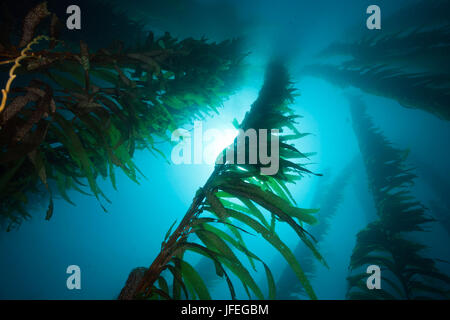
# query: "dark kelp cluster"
[[235, 201], [102, 22], [73, 116], [329, 197], [409, 65], [389, 242]]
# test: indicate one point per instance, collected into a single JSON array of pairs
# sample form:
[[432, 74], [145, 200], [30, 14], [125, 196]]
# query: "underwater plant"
[[389, 242], [235, 201], [426, 91], [409, 65], [329, 197], [70, 116]]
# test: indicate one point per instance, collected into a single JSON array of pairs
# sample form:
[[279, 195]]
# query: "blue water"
[[107, 246]]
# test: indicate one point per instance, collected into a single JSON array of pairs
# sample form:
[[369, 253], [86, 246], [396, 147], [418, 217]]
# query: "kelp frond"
[[234, 201], [388, 242], [406, 64], [329, 198], [425, 91]]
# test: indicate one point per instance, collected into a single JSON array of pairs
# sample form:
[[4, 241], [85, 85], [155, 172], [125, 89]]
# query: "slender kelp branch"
[[180, 234]]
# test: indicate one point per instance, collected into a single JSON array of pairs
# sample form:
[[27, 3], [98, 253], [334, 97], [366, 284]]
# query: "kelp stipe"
[[231, 200], [388, 242], [85, 113]]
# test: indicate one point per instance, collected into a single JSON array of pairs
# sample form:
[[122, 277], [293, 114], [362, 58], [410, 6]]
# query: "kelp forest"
[[98, 125]]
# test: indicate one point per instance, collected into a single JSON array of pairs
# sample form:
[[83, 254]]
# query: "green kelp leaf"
[[195, 280], [62, 185], [214, 242], [239, 244], [304, 215], [277, 206], [4, 179], [65, 82], [273, 239], [220, 271], [105, 75], [169, 231], [163, 286], [217, 207], [78, 153], [177, 283]]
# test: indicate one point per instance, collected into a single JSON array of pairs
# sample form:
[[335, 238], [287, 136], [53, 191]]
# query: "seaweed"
[[329, 197], [389, 241], [425, 91], [77, 115], [409, 65], [234, 202]]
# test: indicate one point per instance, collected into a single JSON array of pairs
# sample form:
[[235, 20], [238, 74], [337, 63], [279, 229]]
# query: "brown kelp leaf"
[[41, 111], [124, 78], [29, 143], [16, 105], [37, 161], [49, 213], [32, 20], [55, 28], [152, 65]]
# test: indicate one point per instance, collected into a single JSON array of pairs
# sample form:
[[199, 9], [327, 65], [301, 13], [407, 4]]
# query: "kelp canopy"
[[409, 65], [237, 200], [389, 241], [72, 116]]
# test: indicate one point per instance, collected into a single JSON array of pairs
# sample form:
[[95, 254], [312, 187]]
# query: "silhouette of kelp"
[[329, 198], [409, 65], [429, 92], [237, 198], [389, 241], [77, 115]]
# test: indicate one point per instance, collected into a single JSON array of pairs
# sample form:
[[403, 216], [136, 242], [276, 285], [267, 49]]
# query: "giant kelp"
[[102, 22], [70, 117], [425, 91], [409, 65], [235, 201], [329, 197], [389, 242]]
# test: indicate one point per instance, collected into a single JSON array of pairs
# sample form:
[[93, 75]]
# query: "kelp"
[[112, 24], [439, 186], [425, 91], [388, 242], [419, 49], [77, 115], [409, 64], [235, 202], [328, 199]]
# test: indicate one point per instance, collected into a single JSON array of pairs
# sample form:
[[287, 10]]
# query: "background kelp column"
[[390, 241], [76, 115], [407, 63]]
